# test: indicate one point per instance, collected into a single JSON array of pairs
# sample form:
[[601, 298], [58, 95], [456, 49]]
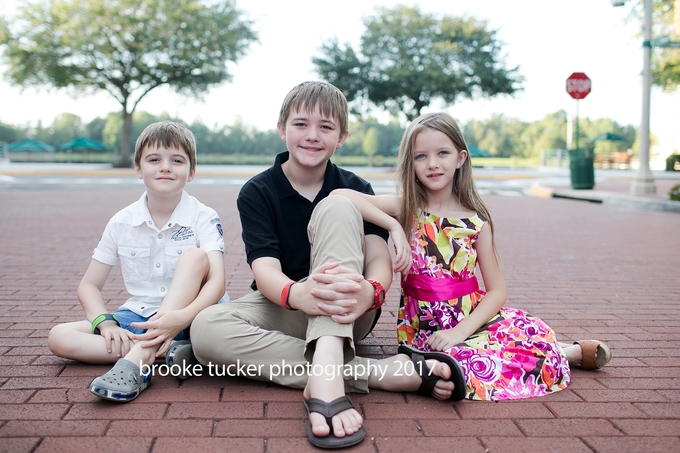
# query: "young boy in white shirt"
[[170, 248]]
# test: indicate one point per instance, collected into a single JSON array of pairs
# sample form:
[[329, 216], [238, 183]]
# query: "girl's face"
[[436, 160]]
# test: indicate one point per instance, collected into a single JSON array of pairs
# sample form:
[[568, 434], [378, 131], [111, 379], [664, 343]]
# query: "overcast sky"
[[548, 39]]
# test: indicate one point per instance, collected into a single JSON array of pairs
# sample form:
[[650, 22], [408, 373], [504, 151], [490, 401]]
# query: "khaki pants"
[[264, 341]]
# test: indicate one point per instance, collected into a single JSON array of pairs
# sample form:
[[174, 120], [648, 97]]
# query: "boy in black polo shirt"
[[320, 277]]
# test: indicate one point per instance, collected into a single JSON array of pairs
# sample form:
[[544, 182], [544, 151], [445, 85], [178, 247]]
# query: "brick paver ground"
[[589, 270]]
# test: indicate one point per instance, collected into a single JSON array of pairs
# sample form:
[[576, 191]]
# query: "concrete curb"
[[607, 198]]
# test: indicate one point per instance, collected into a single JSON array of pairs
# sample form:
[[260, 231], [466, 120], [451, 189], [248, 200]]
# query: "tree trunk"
[[125, 161]]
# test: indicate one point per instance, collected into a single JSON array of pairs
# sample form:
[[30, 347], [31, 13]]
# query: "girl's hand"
[[445, 339], [161, 329], [118, 340], [402, 248]]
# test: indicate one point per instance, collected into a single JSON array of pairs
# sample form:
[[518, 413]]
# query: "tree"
[[125, 47], [370, 144], [65, 127], [666, 61], [409, 58], [498, 135], [548, 133]]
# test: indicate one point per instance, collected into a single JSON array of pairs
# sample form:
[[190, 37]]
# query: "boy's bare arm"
[[90, 296], [90, 289]]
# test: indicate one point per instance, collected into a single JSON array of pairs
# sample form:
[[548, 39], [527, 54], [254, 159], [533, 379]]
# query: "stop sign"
[[578, 85]]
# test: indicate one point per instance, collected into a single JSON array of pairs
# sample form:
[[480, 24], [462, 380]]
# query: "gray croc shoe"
[[180, 359], [122, 383]]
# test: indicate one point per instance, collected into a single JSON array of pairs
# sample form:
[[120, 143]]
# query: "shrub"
[[674, 193], [673, 162]]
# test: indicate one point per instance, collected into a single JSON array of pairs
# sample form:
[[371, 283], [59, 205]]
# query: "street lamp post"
[[643, 182]]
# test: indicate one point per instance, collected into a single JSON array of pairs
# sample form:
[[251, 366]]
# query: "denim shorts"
[[126, 317]]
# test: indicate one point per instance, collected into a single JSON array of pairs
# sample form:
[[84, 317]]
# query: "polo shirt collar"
[[286, 189], [182, 215]]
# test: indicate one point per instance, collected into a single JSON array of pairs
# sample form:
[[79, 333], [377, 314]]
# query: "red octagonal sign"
[[578, 85]]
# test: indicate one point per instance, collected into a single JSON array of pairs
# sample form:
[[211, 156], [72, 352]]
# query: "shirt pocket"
[[172, 254], [135, 263]]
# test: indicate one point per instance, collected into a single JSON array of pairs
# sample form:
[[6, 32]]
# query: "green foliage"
[[499, 136], [369, 141], [370, 144], [673, 162], [388, 137], [8, 134], [674, 193], [666, 61], [125, 47], [409, 58]]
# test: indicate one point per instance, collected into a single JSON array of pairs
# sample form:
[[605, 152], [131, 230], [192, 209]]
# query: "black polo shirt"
[[274, 216]]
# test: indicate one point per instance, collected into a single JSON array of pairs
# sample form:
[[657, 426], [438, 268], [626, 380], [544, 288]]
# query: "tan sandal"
[[595, 354]]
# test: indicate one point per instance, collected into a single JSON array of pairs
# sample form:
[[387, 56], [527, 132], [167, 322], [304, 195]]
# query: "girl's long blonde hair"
[[413, 194]]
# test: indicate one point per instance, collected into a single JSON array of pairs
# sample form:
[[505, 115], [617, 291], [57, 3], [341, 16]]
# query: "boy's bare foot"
[[328, 387], [345, 423]]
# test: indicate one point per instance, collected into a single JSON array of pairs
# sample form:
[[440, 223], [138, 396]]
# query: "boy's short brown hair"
[[308, 95], [170, 135]]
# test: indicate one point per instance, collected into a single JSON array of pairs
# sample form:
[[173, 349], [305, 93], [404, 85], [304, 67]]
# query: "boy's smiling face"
[[165, 171], [311, 138]]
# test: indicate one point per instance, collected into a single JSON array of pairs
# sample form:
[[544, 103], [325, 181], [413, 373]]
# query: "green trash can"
[[582, 168]]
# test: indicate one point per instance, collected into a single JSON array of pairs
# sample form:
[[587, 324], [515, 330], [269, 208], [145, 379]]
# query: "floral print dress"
[[513, 355]]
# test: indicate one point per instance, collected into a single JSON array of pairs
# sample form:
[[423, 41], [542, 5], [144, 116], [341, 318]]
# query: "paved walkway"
[[590, 270]]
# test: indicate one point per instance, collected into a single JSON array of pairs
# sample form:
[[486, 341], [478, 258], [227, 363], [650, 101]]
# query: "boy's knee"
[[337, 203], [335, 208], [55, 339], [195, 258]]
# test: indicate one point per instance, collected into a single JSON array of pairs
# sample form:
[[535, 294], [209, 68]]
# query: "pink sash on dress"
[[433, 289]]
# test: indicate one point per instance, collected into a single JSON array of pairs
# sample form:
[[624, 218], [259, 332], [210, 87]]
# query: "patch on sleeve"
[[216, 221]]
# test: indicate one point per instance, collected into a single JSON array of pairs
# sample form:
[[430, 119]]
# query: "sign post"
[[578, 87]]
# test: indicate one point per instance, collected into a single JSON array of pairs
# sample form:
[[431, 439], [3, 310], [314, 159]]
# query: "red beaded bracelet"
[[285, 295]]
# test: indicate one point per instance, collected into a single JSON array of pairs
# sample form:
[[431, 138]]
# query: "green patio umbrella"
[[84, 144], [606, 136], [476, 152], [29, 145]]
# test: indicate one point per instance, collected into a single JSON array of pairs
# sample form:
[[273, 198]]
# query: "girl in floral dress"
[[443, 232]]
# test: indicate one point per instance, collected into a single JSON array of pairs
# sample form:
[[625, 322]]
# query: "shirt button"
[[143, 308], [158, 264], [169, 225], [149, 222], [133, 253], [179, 252], [162, 290], [221, 247], [160, 236]]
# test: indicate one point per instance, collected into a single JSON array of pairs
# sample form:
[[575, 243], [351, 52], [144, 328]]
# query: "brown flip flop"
[[595, 354]]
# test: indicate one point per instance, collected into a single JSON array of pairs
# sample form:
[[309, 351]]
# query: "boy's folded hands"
[[332, 290]]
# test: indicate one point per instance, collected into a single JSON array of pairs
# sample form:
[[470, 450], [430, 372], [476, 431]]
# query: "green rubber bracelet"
[[100, 319]]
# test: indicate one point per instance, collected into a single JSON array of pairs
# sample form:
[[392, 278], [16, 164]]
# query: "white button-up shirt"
[[148, 255]]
